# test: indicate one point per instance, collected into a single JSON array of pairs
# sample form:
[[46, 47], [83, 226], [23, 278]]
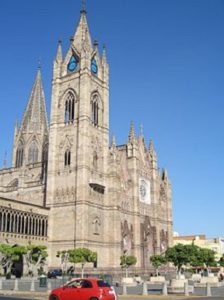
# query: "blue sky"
[[166, 72]]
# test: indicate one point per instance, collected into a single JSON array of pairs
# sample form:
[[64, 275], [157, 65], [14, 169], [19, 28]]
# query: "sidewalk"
[[31, 295]]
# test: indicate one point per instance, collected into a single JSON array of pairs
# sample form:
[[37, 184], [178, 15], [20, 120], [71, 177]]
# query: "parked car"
[[84, 289], [54, 273]]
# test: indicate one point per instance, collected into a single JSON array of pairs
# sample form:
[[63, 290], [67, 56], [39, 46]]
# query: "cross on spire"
[[39, 63], [83, 10]]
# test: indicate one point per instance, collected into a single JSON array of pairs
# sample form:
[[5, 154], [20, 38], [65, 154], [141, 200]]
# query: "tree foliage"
[[177, 255], [82, 256], [208, 257], [157, 261], [181, 255], [10, 254], [126, 261], [221, 261]]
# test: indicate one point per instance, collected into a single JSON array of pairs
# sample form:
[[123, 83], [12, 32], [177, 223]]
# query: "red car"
[[84, 289]]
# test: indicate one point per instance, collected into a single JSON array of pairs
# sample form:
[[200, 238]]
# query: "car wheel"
[[94, 298], [54, 297]]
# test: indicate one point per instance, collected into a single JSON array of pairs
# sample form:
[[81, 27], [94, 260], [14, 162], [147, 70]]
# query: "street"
[[4, 297]]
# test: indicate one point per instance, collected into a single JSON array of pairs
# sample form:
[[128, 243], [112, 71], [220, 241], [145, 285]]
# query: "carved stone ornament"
[[127, 237]]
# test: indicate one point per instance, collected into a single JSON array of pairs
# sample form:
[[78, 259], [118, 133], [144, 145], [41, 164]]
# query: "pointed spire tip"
[[39, 64], [83, 9]]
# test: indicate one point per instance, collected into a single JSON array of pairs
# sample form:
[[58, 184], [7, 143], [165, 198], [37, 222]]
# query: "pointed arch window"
[[33, 153], [69, 108], [67, 158], [19, 155], [95, 110]]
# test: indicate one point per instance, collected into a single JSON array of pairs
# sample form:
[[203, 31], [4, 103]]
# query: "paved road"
[[124, 298], [134, 293]]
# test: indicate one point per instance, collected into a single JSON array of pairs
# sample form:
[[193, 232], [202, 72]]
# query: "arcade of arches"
[[19, 220]]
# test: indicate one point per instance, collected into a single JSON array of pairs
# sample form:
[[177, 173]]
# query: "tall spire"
[[35, 116], [82, 35]]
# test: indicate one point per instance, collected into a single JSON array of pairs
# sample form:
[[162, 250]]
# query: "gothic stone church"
[[68, 186]]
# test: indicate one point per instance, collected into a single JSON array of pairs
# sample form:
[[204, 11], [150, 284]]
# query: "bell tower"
[[78, 139]]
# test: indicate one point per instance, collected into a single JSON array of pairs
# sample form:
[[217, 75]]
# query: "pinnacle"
[[131, 135]]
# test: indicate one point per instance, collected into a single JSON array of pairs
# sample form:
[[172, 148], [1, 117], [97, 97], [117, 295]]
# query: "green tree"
[[157, 261], [82, 256], [181, 255], [35, 257], [10, 254], [126, 261], [208, 258], [221, 261]]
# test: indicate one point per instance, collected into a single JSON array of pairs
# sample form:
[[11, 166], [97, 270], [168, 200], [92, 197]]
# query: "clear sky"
[[166, 72]]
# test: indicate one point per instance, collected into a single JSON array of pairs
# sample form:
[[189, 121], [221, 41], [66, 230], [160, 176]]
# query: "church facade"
[[68, 185]]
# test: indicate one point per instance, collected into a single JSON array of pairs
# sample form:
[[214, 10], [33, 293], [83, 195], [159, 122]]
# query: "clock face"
[[144, 190], [94, 68], [73, 63]]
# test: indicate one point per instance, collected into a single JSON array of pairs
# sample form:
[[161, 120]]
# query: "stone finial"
[[164, 175], [96, 47], [131, 136], [113, 142], [16, 129], [153, 155], [141, 130], [59, 52], [4, 165], [151, 146], [95, 44], [104, 58]]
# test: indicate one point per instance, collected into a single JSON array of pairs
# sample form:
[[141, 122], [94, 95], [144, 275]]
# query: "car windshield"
[[79, 284], [102, 283]]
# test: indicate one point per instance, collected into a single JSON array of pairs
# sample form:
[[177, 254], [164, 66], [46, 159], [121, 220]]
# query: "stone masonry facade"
[[69, 184]]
